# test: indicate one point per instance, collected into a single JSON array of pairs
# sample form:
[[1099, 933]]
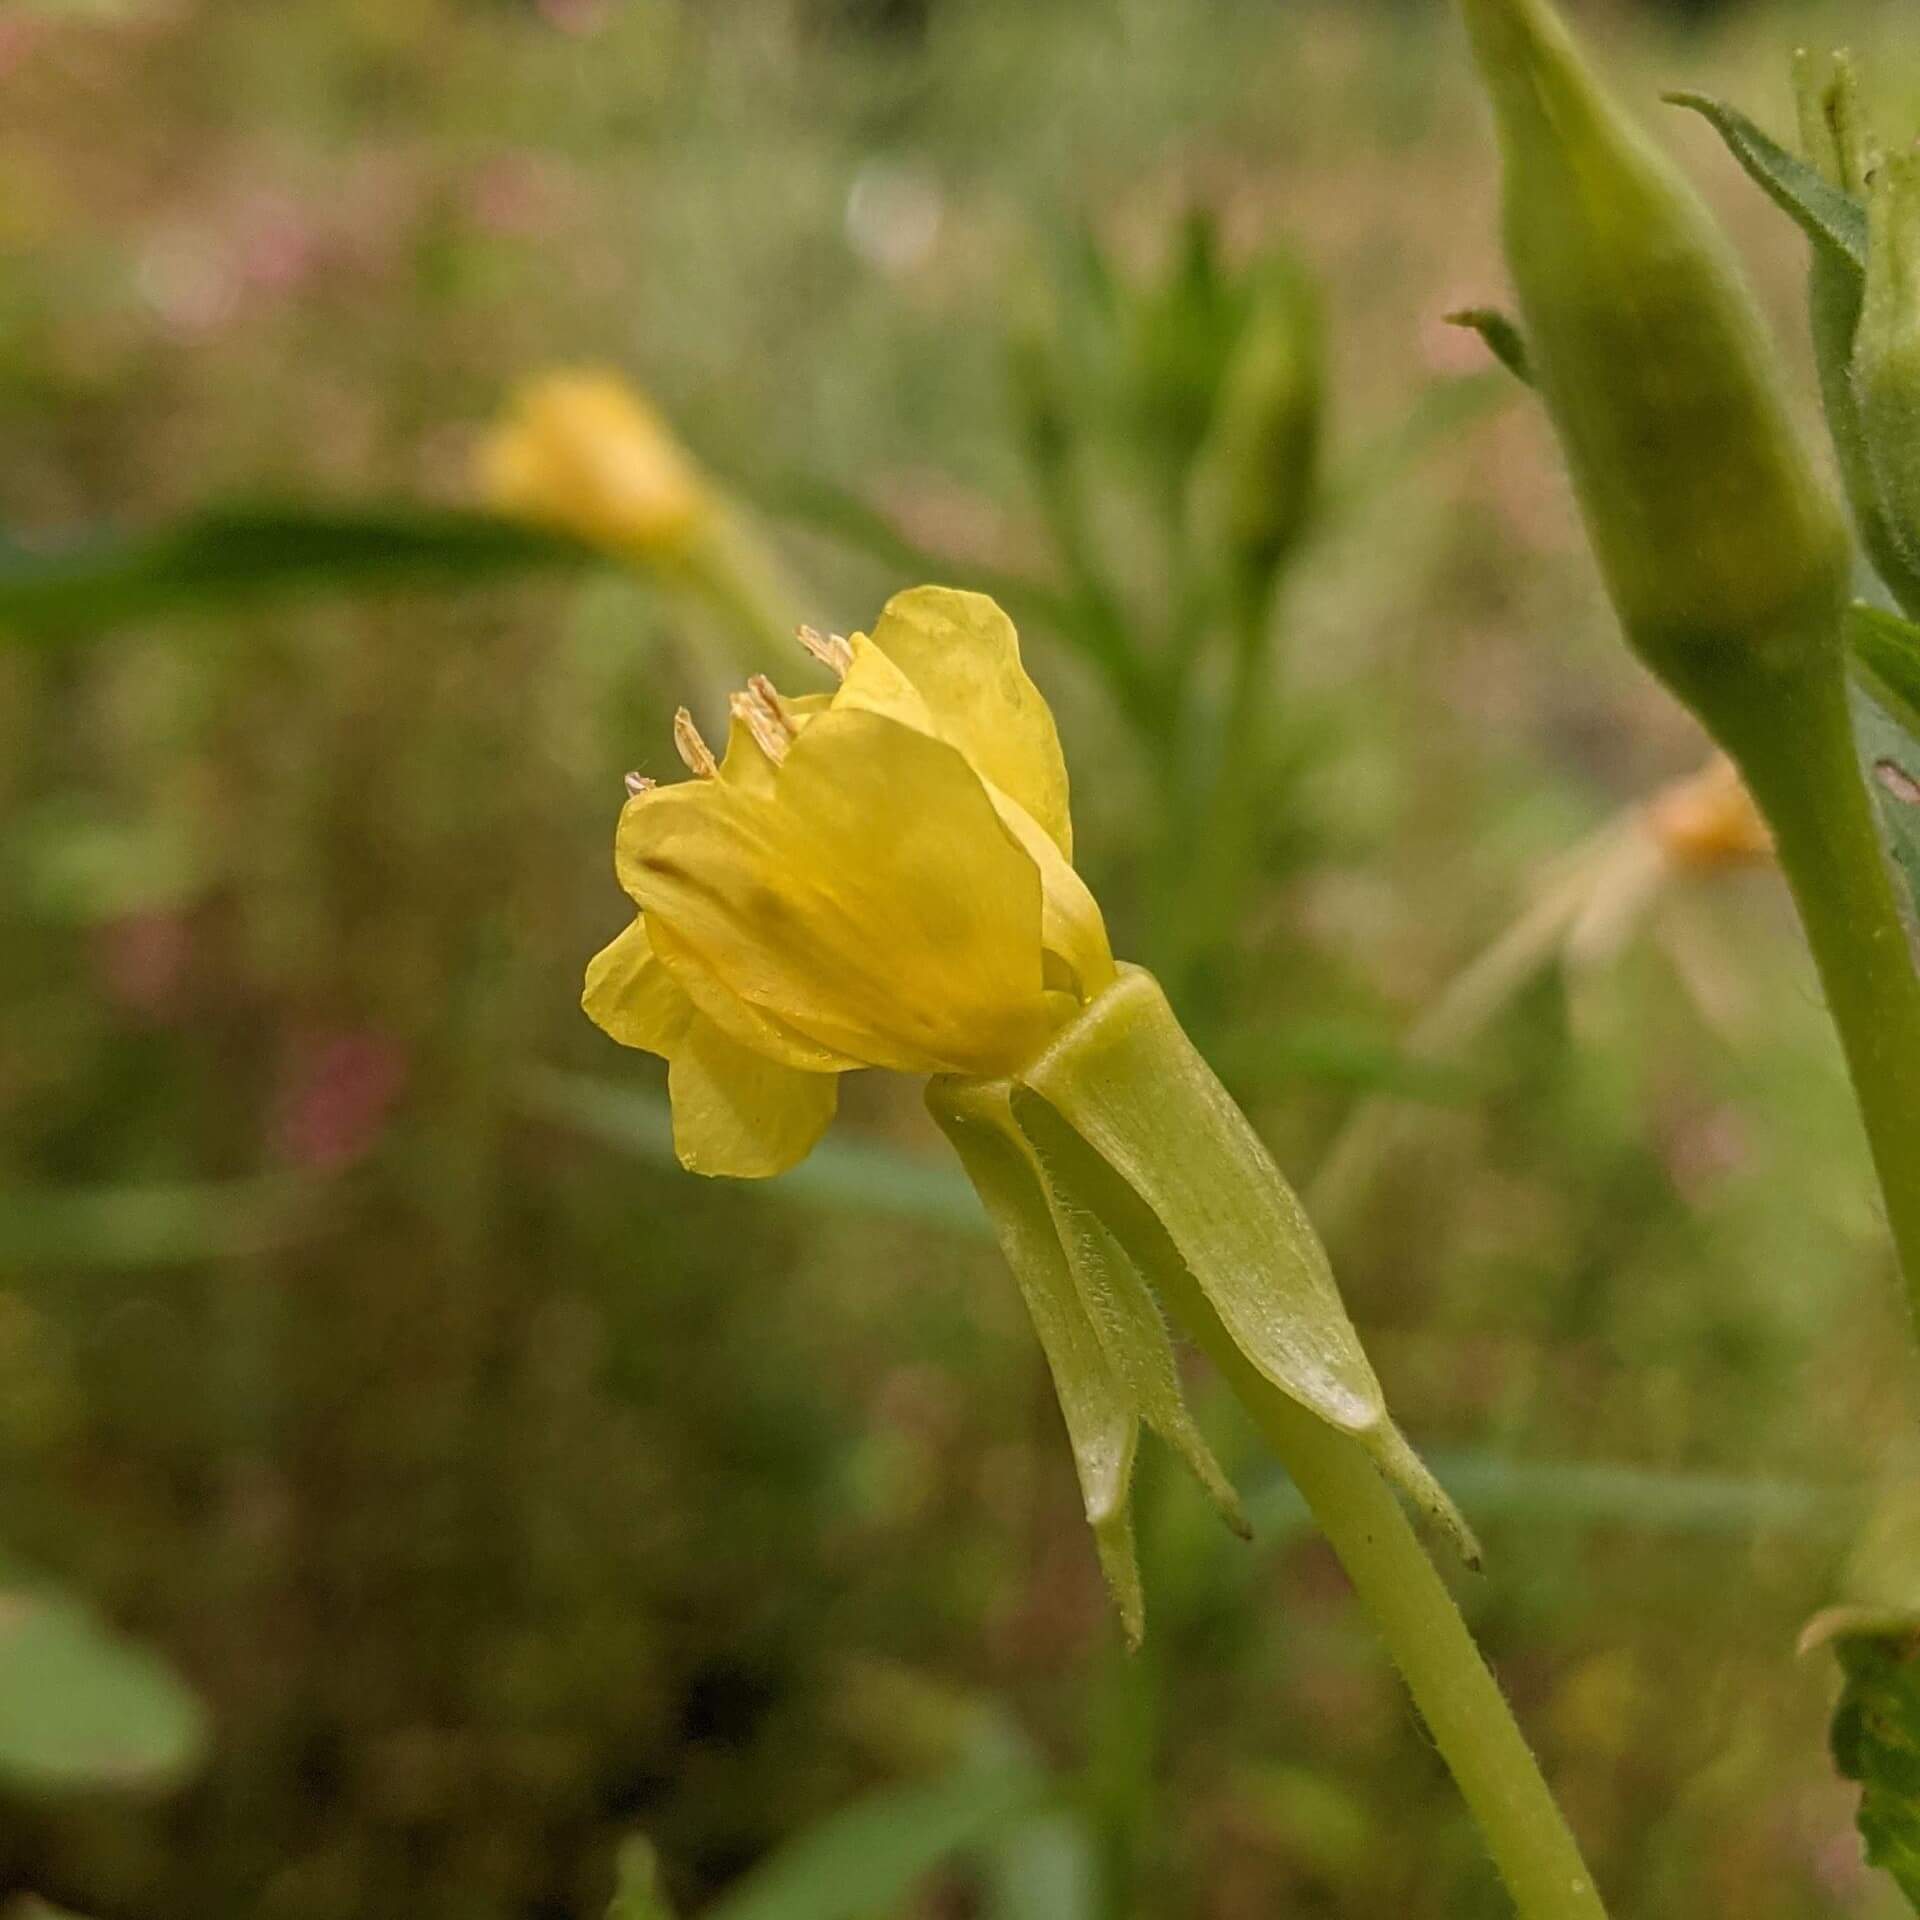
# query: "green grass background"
[[503, 1491]]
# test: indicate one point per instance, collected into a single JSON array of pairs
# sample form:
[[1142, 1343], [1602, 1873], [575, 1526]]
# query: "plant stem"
[[1796, 750], [1458, 1697]]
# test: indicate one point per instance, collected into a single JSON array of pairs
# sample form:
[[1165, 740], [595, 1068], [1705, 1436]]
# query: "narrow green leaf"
[[1832, 220], [841, 1173], [1503, 338], [224, 554], [83, 1709], [865, 1861], [1597, 1493], [1888, 648], [149, 1226]]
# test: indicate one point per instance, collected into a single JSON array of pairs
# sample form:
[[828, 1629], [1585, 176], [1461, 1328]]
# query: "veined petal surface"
[[873, 900]]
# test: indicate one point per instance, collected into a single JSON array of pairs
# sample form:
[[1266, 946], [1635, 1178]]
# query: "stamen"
[[691, 748], [637, 784], [766, 694], [830, 649], [758, 709]]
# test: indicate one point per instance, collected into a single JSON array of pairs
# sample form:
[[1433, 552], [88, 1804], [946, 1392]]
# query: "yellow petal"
[[875, 902], [1072, 928], [582, 452], [631, 997], [751, 1026], [962, 654], [739, 1114]]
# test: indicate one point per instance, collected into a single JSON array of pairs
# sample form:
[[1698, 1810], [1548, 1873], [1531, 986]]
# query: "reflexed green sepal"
[[1133, 1128], [1102, 1423]]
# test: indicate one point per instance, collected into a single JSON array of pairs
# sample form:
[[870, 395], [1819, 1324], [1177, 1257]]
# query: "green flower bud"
[[1721, 545], [1042, 411], [1179, 333], [1886, 364], [1261, 470]]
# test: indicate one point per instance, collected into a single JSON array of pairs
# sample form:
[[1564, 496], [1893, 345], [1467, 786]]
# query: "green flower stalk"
[[1722, 547], [882, 877]]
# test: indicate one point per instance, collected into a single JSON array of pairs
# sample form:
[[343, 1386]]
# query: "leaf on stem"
[[1502, 335], [1833, 220], [1886, 659]]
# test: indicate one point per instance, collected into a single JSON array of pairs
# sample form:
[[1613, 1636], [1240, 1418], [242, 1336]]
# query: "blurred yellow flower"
[[1709, 819], [878, 878], [583, 453]]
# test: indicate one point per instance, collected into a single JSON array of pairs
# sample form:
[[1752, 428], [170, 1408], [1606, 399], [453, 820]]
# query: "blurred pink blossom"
[[19, 39], [277, 242], [140, 963], [518, 194], [336, 1092], [575, 16]]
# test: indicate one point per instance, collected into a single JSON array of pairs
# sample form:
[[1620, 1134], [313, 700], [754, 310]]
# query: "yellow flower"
[[879, 878], [1709, 819], [582, 453]]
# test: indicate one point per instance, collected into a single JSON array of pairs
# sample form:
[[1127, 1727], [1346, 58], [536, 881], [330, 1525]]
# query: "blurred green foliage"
[[502, 1492]]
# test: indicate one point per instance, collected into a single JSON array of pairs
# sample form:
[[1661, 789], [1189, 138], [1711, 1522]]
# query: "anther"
[[766, 695], [830, 649], [691, 748], [758, 709], [637, 784]]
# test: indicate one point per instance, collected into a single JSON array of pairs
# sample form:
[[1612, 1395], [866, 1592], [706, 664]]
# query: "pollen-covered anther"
[[637, 784], [830, 649], [691, 748], [760, 710]]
